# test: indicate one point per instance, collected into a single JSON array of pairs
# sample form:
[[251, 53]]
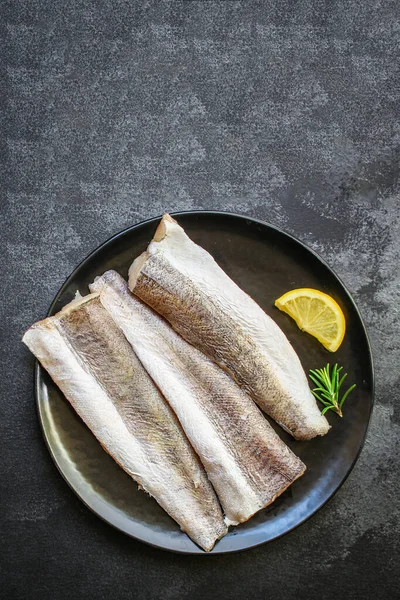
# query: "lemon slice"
[[316, 313]]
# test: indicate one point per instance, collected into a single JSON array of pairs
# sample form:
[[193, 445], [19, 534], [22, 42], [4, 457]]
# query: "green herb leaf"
[[328, 386]]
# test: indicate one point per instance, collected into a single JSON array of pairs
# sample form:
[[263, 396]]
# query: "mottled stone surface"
[[286, 111]]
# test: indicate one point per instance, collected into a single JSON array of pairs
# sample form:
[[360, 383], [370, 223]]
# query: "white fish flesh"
[[246, 461], [90, 360], [182, 282]]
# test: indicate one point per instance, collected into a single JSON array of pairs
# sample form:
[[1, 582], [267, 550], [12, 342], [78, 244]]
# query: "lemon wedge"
[[316, 313]]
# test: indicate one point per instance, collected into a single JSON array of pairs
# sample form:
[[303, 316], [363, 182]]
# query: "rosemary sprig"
[[328, 388]]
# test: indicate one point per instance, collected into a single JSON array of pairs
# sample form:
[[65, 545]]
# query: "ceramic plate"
[[265, 262]]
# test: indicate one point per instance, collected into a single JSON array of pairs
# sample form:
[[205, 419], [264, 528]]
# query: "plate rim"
[[38, 370]]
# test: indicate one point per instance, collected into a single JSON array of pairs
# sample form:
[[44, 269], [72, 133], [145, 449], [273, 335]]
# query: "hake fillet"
[[246, 461], [91, 361], [182, 282]]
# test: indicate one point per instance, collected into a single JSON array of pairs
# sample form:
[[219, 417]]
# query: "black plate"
[[265, 262]]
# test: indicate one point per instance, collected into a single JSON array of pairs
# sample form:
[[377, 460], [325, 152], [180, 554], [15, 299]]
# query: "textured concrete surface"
[[286, 111]]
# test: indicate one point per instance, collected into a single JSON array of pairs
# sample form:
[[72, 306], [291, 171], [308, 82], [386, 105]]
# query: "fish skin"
[[246, 461], [183, 283], [90, 360]]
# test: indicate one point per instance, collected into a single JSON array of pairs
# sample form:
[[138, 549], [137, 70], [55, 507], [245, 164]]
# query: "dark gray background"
[[116, 111]]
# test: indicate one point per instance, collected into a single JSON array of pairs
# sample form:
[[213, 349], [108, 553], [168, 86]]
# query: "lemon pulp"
[[316, 313]]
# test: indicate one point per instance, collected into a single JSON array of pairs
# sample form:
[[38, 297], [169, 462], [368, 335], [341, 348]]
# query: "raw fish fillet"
[[245, 460], [90, 360], [182, 282]]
